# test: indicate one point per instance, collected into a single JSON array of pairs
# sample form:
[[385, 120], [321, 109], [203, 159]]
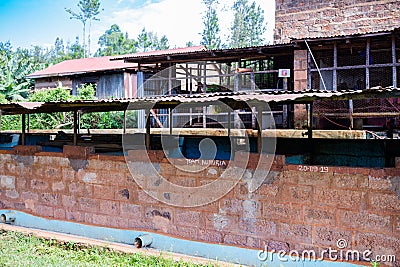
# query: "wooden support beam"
[[156, 118], [23, 129], [124, 125], [229, 122], [75, 140], [148, 126], [170, 120], [259, 129]]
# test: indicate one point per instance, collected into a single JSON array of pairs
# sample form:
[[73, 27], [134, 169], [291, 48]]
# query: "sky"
[[26, 23]]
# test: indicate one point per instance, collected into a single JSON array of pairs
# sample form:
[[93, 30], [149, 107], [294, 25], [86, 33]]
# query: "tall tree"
[[149, 41], [88, 10], [210, 35], [114, 42], [248, 24]]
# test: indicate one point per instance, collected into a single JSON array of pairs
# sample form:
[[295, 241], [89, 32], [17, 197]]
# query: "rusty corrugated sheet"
[[235, 100]]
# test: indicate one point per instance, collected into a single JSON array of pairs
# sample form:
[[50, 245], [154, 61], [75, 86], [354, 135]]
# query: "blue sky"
[[38, 22]]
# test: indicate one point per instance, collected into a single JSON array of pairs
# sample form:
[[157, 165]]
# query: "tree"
[[114, 42], [210, 35], [88, 10], [14, 66], [149, 41], [248, 24]]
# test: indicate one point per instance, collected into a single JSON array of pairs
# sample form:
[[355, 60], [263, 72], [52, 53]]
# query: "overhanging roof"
[[224, 55], [236, 100]]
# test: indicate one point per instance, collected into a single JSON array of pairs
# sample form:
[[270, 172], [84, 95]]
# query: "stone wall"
[[297, 207], [314, 18]]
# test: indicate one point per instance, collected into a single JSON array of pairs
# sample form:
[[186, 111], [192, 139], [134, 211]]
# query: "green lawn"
[[18, 249]]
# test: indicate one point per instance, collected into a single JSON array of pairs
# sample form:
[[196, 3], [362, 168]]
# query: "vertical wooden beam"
[[205, 77], [170, 121], [351, 109], [335, 62], [229, 122], [1, 118], [147, 136], [23, 129], [259, 129], [75, 140], [367, 56], [311, 110], [394, 61], [29, 123], [204, 117], [124, 125]]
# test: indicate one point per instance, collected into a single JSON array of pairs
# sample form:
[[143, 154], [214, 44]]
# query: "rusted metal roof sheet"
[[204, 54], [343, 36], [236, 100], [81, 66], [97, 64], [173, 51]]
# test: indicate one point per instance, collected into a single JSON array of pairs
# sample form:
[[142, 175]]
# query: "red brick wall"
[[297, 207], [314, 18]]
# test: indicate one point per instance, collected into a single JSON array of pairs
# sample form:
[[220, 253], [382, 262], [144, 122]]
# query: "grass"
[[18, 249]]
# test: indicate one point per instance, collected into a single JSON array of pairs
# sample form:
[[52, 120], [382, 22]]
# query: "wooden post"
[[310, 132], [285, 106], [1, 117], [259, 129], [170, 118], [124, 130], [229, 122], [394, 69], [29, 123], [23, 129], [75, 140], [351, 109], [204, 117], [147, 140]]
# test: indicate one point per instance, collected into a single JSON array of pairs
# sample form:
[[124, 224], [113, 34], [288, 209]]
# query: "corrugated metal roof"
[[341, 36], [79, 66], [173, 51], [216, 54], [236, 100], [96, 64]]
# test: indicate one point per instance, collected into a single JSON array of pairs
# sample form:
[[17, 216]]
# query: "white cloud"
[[180, 21]]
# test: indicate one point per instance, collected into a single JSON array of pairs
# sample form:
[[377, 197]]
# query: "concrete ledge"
[[77, 152], [27, 150]]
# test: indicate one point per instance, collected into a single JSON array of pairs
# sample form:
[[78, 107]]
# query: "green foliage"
[[114, 42], [211, 31], [88, 10], [86, 92], [248, 24], [51, 95], [14, 66], [18, 249], [147, 41], [3, 99]]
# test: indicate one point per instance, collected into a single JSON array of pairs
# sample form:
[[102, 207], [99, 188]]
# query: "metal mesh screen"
[[351, 79], [381, 77], [381, 50], [349, 55], [323, 58], [316, 82]]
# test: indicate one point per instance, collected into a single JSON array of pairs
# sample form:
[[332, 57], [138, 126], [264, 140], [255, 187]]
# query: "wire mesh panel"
[[351, 79], [316, 82], [351, 55], [381, 50], [324, 58], [331, 108], [381, 77]]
